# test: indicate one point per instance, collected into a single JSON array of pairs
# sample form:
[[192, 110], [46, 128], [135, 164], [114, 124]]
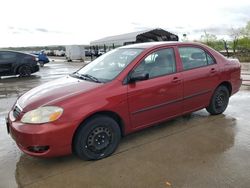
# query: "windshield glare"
[[108, 66]]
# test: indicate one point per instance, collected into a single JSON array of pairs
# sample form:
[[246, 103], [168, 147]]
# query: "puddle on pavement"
[[9, 153]]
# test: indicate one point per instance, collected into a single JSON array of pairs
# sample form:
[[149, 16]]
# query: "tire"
[[24, 71], [97, 138], [41, 63], [219, 101]]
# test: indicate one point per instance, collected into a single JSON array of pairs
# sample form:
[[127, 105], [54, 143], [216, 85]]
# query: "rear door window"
[[193, 57], [7, 55]]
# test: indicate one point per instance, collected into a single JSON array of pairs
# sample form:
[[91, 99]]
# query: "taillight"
[[34, 58]]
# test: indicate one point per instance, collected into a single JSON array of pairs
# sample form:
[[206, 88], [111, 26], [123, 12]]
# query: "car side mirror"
[[135, 76]]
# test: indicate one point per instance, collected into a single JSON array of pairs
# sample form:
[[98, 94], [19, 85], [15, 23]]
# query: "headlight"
[[42, 115]]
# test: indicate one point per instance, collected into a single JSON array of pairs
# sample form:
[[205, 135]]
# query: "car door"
[[200, 77], [7, 59], [159, 97]]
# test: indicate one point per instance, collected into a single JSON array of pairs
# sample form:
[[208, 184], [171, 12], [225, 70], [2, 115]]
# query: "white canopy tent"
[[136, 37]]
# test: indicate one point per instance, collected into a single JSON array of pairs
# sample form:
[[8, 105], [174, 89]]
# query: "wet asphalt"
[[196, 150]]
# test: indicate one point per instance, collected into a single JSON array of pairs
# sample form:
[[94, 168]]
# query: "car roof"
[[147, 45], [16, 52]]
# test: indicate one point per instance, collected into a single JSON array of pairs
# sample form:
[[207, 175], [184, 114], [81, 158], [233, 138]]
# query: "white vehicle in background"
[[74, 52], [59, 52]]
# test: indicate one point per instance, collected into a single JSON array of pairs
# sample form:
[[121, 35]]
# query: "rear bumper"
[[35, 68], [236, 86], [45, 61]]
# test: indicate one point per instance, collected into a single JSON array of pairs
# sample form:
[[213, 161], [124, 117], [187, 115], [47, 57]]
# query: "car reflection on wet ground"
[[196, 150]]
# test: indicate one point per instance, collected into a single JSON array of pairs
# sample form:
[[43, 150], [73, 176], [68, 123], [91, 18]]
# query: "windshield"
[[108, 66]]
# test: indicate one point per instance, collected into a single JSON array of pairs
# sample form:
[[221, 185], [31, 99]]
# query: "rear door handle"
[[213, 70], [176, 80]]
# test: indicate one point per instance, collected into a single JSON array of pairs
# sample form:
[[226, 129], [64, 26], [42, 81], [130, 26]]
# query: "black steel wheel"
[[97, 138], [219, 101], [24, 70]]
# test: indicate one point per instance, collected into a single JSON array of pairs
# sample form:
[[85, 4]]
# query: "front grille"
[[16, 112]]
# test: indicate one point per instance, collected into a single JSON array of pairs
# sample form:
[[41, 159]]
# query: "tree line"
[[237, 46]]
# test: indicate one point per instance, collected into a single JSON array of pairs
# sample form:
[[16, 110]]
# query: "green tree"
[[235, 34], [244, 43], [225, 44], [212, 41], [246, 30], [208, 39]]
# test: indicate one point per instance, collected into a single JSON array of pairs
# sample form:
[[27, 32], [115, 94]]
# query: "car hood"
[[53, 91]]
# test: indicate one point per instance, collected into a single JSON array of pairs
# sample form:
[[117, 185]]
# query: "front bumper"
[[56, 137]]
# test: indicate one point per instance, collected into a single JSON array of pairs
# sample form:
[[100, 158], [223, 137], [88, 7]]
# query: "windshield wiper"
[[86, 77], [91, 78], [76, 74]]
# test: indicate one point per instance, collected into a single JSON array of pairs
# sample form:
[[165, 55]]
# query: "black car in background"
[[17, 63]]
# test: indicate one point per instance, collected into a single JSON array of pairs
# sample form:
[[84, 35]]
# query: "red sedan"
[[124, 90]]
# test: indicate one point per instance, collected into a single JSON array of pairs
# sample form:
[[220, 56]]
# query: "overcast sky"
[[54, 22]]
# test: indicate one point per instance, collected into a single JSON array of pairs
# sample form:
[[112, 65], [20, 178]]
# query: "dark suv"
[[17, 63]]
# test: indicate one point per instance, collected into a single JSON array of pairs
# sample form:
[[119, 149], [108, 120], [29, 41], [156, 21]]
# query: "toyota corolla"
[[125, 90]]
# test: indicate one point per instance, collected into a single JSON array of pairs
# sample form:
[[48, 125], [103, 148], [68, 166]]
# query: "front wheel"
[[219, 101], [97, 138]]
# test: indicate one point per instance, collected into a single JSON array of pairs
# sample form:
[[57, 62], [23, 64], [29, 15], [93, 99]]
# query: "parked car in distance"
[[42, 58], [88, 53], [60, 53], [101, 52], [123, 91], [17, 63]]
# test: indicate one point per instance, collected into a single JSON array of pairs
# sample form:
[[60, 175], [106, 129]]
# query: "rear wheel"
[[24, 70], [219, 101], [41, 63], [97, 138]]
